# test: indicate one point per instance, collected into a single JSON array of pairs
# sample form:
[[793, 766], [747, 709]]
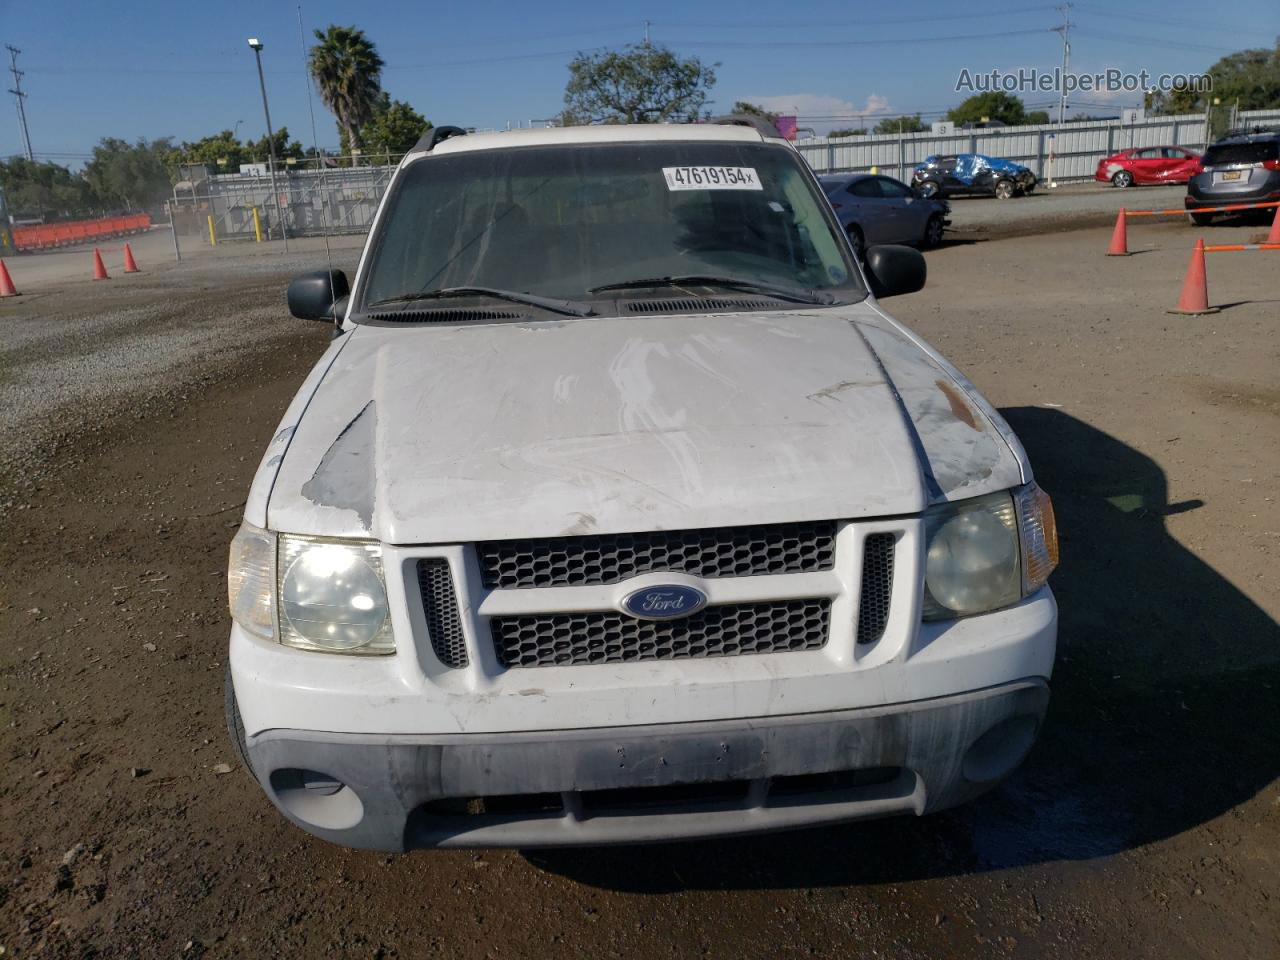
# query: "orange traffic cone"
[[1119, 237], [130, 265], [7, 288], [99, 268], [1195, 292], [1274, 235]]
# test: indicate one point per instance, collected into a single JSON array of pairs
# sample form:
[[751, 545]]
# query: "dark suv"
[[1243, 168], [971, 173]]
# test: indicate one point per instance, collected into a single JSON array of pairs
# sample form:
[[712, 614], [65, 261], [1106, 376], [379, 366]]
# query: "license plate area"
[[1230, 175]]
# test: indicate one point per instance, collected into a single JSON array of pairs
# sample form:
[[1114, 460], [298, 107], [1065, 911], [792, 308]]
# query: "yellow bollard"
[[257, 225], [213, 237], [874, 170]]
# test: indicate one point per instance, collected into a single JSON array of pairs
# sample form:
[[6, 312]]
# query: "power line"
[[19, 96]]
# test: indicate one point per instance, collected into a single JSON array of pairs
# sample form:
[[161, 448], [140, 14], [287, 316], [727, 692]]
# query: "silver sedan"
[[877, 209]]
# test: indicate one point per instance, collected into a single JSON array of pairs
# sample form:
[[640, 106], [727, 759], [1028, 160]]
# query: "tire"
[[1200, 219], [933, 231], [1005, 189], [928, 189], [235, 725], [857, 241], [1122, 179]]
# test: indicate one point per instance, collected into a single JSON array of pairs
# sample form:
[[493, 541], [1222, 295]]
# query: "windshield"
[[561, 221]]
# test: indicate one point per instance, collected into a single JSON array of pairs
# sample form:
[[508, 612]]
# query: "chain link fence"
[[304, 199]]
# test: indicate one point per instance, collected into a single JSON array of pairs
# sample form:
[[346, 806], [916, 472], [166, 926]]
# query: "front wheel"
[[1122, 179], [933, 231], [856, 241], [928, 189], [1004, 189]]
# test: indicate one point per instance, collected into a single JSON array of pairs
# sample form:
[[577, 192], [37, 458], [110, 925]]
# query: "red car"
[[1149, 165]]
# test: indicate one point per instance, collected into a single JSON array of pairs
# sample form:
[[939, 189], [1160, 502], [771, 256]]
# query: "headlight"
[[310, 593], [251, 577], [333, 596], [987, 553]]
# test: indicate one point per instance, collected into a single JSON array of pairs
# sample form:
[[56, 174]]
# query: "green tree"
[[225, 153], [394, 128], [848, 132], [901, 125], [754, 110], [644, 83], [45, 189], [129, 175], [348, 72], [995, 105], [1250, 78]]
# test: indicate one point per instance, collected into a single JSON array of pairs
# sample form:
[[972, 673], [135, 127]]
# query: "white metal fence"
[[1077, 147]]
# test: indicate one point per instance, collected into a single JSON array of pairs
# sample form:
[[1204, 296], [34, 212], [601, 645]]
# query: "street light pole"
[[256, 45]]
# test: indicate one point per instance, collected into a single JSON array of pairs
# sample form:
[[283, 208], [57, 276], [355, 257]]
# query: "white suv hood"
[[603, 425]]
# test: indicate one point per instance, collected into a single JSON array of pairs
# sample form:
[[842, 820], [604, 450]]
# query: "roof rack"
[[761, 125], [437, 135]]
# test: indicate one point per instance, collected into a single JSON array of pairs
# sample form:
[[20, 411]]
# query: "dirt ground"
[[1145, 824]]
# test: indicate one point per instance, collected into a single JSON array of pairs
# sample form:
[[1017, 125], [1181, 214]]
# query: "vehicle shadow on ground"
[[1166, 694]]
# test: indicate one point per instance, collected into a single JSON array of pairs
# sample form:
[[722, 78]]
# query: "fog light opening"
[[317, 799], [996, 753]]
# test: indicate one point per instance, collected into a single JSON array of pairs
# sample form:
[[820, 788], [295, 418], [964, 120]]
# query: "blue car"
[[972, 173]]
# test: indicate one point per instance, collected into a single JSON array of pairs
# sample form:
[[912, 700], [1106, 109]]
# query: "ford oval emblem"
[[664, 602]]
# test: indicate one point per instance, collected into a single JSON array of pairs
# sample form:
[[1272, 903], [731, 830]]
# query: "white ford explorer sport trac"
[[619, 510]]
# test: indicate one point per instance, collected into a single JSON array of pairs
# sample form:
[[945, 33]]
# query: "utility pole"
[[646, 32], [1065, 30], [256, 45], [19, 96]]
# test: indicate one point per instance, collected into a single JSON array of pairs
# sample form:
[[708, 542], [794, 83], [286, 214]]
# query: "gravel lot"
[[1146, 823], [1068, 206]]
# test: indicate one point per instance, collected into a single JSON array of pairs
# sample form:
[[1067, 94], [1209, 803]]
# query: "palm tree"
[[348, 71]]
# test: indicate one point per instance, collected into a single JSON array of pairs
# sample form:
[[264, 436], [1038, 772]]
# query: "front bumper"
[[648, 783]]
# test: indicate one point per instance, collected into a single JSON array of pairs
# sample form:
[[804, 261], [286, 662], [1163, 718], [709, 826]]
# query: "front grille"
[[440, 607], [877, 587], [715, 552], [727, 630]]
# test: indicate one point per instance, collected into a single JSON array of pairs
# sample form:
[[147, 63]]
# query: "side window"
[[893, 189], [866, 188], [1151, 153], [1173, 153]]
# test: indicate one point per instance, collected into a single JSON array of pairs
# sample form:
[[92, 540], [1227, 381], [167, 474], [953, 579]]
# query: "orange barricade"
[[48, 235]]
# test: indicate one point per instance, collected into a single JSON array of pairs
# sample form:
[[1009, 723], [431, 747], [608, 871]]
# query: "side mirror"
[[319, 295], [895, 269]]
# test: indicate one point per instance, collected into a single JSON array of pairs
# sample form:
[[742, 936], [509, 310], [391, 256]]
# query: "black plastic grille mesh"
[[728, 630], [440, 606], [698, 304], [877, 587], [716, 552], [445, 315]]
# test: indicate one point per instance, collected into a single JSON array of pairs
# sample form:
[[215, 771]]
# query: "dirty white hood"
[[436, 435]]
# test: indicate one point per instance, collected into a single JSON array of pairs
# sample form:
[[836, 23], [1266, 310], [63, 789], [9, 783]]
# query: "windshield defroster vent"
[[447, 315], [699, 304]]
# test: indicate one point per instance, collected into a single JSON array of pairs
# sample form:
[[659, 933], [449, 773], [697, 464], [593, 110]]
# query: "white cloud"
[[811, 105]]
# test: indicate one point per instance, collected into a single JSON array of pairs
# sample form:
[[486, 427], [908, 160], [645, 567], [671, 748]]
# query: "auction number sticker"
[[711, 178]]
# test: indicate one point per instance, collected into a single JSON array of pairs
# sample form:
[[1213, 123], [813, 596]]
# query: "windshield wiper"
[[571, 308], [733, 283]]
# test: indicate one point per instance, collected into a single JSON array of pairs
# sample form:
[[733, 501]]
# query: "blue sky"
[[152, 69]]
